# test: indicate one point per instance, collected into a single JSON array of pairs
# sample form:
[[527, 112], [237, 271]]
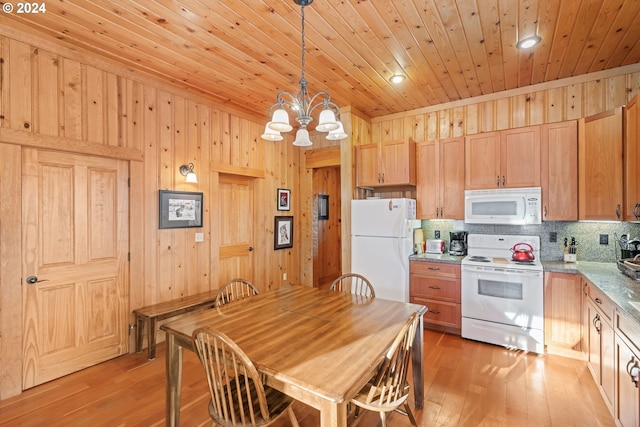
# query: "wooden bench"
[[164, 310]]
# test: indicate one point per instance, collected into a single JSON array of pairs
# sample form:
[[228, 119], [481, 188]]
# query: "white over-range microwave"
[[512, 206]]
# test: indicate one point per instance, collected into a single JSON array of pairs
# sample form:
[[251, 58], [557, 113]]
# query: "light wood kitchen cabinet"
[[387, 164], [600, 166], [599, 340], [627, 372], [559, 171], [437, 286], [440, 179], [562, 314], [505, 159], [631, 178]]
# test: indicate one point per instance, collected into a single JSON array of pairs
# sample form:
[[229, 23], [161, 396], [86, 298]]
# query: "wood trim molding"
[[236, 170], [12, 136]]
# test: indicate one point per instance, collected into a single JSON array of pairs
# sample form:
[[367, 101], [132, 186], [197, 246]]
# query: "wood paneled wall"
[[544, 103], [52, 97]]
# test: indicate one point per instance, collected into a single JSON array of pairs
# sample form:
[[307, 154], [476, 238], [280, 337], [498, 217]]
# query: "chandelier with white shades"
[[303, 105]]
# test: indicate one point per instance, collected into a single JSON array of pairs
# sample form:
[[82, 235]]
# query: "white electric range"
[[502, 299]]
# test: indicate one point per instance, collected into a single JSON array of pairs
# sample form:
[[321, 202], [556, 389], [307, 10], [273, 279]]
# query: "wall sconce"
[[187, 170]]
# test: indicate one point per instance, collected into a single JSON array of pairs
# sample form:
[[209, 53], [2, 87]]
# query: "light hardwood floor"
[[466, 384]]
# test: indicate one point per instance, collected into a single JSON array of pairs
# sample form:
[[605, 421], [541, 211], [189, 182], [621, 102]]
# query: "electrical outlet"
[[553, 237], [199, 237], [436, 234], [284, 276], [604, 239]]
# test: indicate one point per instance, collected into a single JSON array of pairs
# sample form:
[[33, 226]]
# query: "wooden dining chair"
[[235, 290], [238, 395], [355, 284], [389, 389]]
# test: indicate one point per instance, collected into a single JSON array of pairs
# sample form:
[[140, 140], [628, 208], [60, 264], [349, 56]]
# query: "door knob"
[[33, 280]]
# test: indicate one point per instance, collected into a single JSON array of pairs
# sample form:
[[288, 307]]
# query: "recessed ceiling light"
[[397, 78], [528, 42]]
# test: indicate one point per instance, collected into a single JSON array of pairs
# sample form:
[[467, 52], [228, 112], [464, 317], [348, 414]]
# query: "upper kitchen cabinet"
[[559, 171], [440, 179], [632, 160], [504, 159], [600, 166], [387, 164]]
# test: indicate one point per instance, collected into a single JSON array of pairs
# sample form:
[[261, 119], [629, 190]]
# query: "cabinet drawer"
[[435, 268], [441, 288], [601, 301], [440, 312]]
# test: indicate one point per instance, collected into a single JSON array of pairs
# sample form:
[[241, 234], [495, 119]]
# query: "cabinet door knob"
[[618, 210]]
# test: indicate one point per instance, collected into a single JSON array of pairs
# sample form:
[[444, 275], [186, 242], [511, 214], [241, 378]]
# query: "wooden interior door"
[[235, 222], [75, 241]]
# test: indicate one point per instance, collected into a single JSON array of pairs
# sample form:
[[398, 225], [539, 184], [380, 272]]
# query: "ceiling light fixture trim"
[[303, 105], [528, 42]]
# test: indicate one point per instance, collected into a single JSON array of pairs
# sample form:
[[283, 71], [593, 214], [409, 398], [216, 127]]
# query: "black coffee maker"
[[458, 243]]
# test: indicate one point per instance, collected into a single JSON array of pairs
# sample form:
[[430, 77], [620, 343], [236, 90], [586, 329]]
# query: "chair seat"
[[277, 402], [369, 398]]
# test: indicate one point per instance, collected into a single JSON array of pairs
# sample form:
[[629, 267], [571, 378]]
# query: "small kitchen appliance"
[[435, 246], [458, 243], [502, 291]]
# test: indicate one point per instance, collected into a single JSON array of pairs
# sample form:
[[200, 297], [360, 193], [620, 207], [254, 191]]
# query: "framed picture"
[[179, 209], [323, 206], [284, 199], [283, 232]]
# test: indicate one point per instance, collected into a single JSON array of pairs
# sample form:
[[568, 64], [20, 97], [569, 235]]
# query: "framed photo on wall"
[[283, 232], [284, 199], [179, 209], [323, 206]]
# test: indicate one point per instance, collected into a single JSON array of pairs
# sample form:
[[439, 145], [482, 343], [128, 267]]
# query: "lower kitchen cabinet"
[[436, 285], [562, 314], [599, 340], [627, 372]]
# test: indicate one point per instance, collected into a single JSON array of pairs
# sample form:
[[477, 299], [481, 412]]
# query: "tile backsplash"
[[587, 235]]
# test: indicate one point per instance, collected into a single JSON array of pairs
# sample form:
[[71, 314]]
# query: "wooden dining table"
[[318, 346]]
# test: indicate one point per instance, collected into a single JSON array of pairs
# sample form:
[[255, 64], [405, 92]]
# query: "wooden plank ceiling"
[[242, 52]]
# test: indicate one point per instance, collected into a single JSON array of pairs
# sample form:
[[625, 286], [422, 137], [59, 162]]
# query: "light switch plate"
[[199, 237]]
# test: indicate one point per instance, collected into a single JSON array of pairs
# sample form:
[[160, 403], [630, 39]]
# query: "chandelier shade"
[[302, 106], [337, 133], [270, 134], [327, 121], [302, 138]]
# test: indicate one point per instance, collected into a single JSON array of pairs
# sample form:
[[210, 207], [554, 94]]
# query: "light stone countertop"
[[444, 258], [621, 289]]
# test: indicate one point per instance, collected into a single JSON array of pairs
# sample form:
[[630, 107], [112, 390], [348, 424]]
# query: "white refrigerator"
[[381, 242]]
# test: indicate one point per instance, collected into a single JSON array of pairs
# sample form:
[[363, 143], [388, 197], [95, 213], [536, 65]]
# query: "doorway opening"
[[327, 260]]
